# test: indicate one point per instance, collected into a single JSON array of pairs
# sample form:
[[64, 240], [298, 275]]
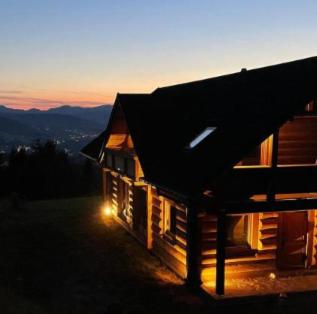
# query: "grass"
[[62, 256]]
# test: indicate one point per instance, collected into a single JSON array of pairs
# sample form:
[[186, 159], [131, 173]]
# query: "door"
[[292, 240]]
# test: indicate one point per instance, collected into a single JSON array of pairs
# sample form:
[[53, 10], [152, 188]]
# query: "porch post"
[[193, 247], [105, 184], [221, 253]]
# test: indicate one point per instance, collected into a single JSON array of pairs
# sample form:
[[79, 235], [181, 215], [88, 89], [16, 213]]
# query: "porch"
[[263, 281]]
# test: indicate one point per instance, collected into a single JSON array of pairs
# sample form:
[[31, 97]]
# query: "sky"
[[83, 52]]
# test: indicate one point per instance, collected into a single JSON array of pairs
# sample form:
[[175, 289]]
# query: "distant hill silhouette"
[[98, 114], [71, 126], [11, 126]]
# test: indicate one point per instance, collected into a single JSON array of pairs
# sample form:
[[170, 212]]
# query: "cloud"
[[4, 91]]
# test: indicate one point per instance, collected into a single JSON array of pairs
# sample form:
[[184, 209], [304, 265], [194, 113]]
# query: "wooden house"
[[218, 173]]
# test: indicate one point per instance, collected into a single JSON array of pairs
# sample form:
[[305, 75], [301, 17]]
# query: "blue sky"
[[84, 52]]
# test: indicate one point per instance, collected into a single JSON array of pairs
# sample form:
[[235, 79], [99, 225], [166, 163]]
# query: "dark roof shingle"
[[246, 107]]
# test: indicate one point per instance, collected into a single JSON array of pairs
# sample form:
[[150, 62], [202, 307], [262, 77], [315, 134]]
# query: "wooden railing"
[[241, 183]]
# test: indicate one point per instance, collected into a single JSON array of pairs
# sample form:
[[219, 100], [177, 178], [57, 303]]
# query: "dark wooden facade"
[[141, 207], [259, 211]]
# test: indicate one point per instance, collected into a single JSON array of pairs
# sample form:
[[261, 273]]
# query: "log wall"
[[264, 240], [313, 235], [172, 253], [298, 141]]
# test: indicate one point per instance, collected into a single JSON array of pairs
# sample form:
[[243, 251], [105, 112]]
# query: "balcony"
[[243, 183]]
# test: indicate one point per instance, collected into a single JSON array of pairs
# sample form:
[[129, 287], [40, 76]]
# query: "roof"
[[93, 150], [245, 108]]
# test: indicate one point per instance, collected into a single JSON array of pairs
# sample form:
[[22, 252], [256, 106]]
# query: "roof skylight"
[[199, 138]]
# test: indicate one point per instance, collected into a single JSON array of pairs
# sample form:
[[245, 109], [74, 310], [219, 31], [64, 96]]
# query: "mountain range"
[[71, 127]]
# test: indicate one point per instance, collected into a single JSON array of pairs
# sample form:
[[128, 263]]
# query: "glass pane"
[[237, 230]]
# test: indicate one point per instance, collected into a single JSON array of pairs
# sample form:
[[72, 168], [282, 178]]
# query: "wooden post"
[[193, 248], [149, 218], [274, 161], [221, 253], [105, 184]]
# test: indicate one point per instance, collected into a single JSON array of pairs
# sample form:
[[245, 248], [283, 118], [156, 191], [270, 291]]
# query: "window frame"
[[169, 220], [250, 247], [199, 138]]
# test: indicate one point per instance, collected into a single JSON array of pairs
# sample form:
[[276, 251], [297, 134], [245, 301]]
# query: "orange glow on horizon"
[[45, 99]]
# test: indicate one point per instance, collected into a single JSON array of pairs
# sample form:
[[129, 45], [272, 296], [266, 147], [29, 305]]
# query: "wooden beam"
[[221, 253], [265, 206], [193, 247], [149, 218], [243, 183], [275, 149]]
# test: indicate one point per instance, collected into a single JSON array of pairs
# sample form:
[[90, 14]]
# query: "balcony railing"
[[242, 183], [122, 162]]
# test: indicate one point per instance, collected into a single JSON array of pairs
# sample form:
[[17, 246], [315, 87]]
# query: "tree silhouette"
[[47, 172]]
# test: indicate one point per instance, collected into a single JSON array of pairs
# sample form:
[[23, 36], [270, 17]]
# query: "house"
[[219, 173]]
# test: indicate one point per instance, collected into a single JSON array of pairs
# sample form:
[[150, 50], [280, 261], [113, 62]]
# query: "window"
[[198, 139], [169, 218], [237, 230], [130, 167], [119, 163], [312, 106], [109, 160], [239, 233]]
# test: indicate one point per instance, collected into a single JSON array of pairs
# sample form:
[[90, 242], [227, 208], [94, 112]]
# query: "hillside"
[[71, 127], [98, 114]]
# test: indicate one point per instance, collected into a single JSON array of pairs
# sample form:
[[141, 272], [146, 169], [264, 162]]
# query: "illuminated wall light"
[[107, 211]]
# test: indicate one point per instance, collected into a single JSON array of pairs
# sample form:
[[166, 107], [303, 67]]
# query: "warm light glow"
[[272, 276], [107, 211]]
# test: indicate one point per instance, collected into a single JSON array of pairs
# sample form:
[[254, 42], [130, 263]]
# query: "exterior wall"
[[268, 232], [264, 229], [114, 194], [208, 223], [312, 247], [298, 141], [172, 253]]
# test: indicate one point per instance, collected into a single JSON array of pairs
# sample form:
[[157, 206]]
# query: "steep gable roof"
[[244, 108]]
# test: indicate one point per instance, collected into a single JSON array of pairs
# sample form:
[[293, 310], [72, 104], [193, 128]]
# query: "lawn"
[[62, 256]]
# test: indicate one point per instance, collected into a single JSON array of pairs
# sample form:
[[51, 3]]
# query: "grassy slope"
[[63, 257]]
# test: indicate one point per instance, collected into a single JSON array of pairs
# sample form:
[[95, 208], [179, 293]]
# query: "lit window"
[[201, 137], [169, 218]]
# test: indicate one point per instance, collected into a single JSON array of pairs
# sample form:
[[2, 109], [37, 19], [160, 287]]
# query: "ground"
[[64, 257]]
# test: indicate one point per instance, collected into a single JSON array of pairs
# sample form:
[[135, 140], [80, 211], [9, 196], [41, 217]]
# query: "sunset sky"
[[82, 52]]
